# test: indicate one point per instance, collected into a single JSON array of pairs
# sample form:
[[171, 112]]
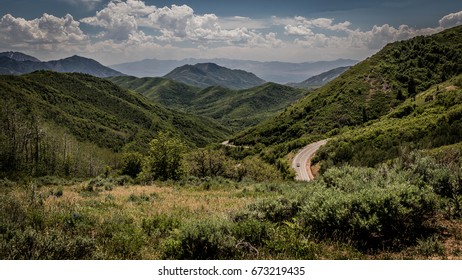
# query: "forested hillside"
[[235, 109], [50, 119], [364, 93]]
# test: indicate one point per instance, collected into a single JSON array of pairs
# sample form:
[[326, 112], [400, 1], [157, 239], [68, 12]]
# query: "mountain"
[[364, 93], [82, 65], [273, 71], [321, 79], [210, 74], [19, 56], [18, 63], [236, 109]]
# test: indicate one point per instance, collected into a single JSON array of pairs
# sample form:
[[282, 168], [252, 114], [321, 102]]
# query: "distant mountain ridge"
[[18, 63], [19, 56], [204, 75], [272, 71], [321, 79]]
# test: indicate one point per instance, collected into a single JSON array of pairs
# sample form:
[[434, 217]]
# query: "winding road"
[[302, 161]]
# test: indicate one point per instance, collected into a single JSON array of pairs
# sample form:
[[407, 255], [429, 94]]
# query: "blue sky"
[[128, 30]]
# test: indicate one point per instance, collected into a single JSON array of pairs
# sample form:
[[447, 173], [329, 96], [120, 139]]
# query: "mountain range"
[[18, 63], [274, 71]]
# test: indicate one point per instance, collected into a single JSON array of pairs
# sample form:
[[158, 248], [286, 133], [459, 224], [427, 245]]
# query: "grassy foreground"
[[394, 212]]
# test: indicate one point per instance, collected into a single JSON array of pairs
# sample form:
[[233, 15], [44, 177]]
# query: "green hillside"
[[364, 93], [164, 91], [245, 108], [236, 109], [89, 110], [432, 119]]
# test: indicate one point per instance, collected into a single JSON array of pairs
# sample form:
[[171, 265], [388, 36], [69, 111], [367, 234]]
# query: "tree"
[[132, 164], [206, 162], [411, 87], [164, 159]]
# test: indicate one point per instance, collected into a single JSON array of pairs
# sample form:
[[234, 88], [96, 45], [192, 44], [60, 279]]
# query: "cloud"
[[451, 20], [122, 21], [325, 32], [45, 30]]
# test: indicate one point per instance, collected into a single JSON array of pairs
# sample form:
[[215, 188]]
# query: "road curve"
[[301, 162]]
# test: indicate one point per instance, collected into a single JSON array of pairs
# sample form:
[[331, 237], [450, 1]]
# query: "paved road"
[[301, 162]]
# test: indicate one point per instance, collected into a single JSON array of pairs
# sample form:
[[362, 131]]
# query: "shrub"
[[164, 161], [30, 244], [204, 239], [160, 225], [132, 164], [274, 210], [368, 217]]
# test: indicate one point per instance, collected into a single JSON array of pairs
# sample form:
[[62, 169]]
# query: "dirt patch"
[[315, 169]]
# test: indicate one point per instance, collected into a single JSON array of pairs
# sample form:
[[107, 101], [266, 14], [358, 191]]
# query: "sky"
[[117, 31]]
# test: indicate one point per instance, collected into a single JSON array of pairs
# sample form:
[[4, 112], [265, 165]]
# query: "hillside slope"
[[430, 120], [100, 112], [168, 92], [364, 93], [210, 74], [236, 109]]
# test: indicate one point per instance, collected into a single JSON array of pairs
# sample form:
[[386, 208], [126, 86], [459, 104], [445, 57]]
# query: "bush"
[[274, 210], [369, 217], [201, 240], [30, 244], [132, 164]]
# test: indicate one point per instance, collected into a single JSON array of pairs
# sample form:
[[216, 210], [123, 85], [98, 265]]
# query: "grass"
[[178, 220]]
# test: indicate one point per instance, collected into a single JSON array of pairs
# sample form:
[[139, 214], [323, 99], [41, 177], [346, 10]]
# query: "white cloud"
[[45, 30], [299, 30], [451, 20], [121, 21], [324, 32]]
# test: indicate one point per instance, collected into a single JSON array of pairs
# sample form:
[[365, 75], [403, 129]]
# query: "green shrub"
[[160, 225], [30, 244], [369, 217], [273, 210], [132, 164], [120, 238], [204, 239], [287, 241]]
